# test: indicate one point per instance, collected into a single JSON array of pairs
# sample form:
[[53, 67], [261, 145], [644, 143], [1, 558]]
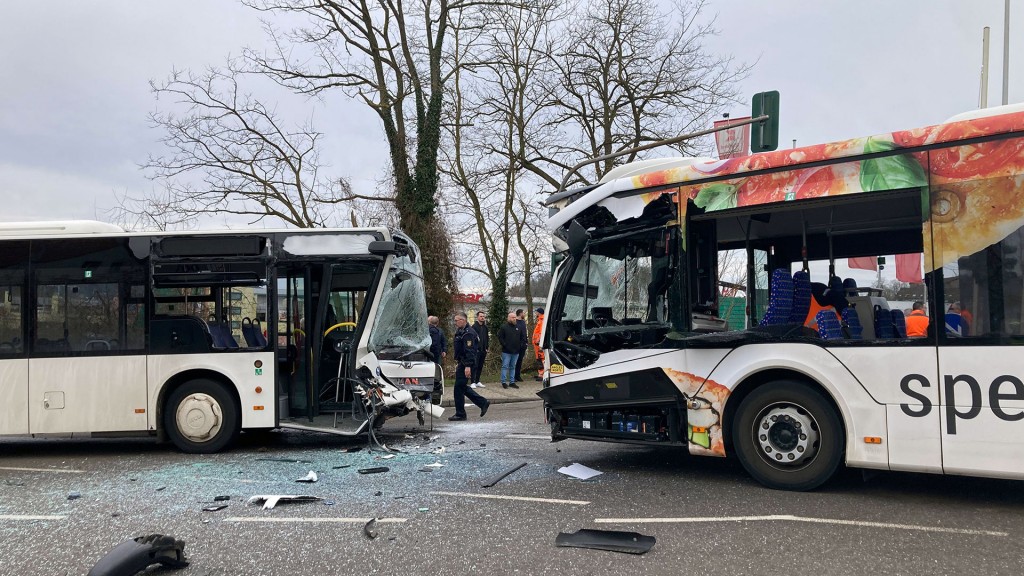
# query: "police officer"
[[466, 345]]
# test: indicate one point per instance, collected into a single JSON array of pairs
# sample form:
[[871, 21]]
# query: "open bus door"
[[320, 317]]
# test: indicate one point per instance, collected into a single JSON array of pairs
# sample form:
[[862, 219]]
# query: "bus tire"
[[201, 417], [788, 436]]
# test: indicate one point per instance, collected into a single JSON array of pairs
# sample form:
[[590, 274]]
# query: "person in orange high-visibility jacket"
[[917, 322], [537, 327]]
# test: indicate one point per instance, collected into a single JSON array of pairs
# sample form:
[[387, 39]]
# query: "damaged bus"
[[810, 371], [193, 337]]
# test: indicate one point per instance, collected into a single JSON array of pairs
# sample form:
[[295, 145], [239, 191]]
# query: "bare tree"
[[392, 56], [231, 154], [629, 75]]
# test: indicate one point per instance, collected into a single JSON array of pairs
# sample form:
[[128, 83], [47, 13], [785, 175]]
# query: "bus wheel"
[[788, 436], [200, 417]]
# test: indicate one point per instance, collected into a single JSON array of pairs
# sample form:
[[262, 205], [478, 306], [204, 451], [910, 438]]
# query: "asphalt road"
[[713, 519]]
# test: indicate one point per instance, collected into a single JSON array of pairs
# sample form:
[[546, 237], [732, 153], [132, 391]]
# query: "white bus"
[[639, 348], [196, 336]]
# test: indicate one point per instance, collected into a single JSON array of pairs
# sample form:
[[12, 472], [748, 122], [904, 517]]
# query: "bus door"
[[982, 389], [316, 357], [13, 363]]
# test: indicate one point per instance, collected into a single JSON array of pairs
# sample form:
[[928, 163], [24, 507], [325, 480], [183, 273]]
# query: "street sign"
[[765, 135], [732, 142]]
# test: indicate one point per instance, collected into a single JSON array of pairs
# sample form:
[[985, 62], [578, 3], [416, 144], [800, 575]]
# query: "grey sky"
[[75, 91]]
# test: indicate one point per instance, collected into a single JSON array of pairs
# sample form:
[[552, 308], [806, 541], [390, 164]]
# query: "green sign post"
[[764, 136]]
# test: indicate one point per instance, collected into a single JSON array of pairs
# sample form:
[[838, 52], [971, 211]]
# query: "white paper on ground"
[[579, 471]]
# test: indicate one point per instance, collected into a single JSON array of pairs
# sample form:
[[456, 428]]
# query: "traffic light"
[[764, 135]]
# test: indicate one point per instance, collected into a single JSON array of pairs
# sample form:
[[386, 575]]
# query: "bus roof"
[[681, 171], [35, 229]]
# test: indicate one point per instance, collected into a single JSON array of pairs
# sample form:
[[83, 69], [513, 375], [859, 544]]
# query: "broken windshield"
[[400, 327]]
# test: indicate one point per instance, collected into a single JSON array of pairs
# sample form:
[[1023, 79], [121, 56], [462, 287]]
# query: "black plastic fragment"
[[340, 467], [370, 529], [221, 498], [136, 555], [376, 470], [286, 460], [491, 481], [611, 540], [351, 449], [215, 508]]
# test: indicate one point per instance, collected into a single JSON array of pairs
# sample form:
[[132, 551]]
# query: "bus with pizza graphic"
[[811, 371]]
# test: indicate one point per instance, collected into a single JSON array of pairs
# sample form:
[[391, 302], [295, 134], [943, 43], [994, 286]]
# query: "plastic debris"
[[14, 483], [579, 471], [438, 450], [492, 480], [328, 502], [370, 529], [386, 457], [340, 467], [74, 495], [351, 449], [221, 498], [309, 478], [434, 465], [136, 555], [427, 469], [161, 489], [611, 540], [269, 501], [215, 508], [376, 470], [378, 493], [424, 509]]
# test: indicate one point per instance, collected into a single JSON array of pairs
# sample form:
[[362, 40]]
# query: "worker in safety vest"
[[819, 302], [537, 350], [917, 322]]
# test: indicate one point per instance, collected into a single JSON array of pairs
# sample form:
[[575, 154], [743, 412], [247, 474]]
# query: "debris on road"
[[611, 540], [136, 555], [434, 465], [309, 478], [215, 508], [221, 498], [424, 509], [426, 469], [579, 471], [272, 500], [285, 460], [491, 481], [74, 495], [351, 449], [370, 529], [340, 467], [376, 470], [385, 457]]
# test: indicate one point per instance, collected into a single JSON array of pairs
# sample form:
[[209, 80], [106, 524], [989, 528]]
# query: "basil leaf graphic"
[[889, 172], [716, 197]]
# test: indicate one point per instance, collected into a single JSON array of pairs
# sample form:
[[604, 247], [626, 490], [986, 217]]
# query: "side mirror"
[[577, 239]]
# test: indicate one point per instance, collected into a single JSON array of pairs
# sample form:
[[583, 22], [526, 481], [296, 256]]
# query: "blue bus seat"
[[780, 299], [801, 297], [851, 322], [829, 327], [899, 322]]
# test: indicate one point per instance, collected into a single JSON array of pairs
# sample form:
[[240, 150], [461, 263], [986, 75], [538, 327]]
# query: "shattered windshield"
[[400, 327]]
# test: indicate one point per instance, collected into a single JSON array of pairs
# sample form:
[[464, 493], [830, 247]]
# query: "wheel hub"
[[787, 435], [199, 417]]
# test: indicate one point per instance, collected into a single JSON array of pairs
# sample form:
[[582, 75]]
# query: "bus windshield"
[[400, 327]]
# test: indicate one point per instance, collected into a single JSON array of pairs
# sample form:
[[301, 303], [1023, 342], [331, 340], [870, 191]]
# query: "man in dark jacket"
[[438, 345], [524, 339], [481, 331], [465, 345], [511, 344]]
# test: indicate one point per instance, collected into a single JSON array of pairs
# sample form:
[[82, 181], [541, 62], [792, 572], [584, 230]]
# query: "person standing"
[[537, 350], [465, 345], [917, 322], [480, 326], [508, 337], [524, 339], [438, 345]]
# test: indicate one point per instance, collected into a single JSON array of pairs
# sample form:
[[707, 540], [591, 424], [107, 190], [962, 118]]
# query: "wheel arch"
[[179, 379], [763, 377]]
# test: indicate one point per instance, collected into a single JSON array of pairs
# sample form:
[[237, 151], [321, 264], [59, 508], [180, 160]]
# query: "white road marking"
[[57, 470], [315, 520], [522, 498], [17, 517], [786, 517], [528, 437]]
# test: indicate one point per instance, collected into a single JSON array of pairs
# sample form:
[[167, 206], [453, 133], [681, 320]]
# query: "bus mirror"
[[383, 248], [577, 239]]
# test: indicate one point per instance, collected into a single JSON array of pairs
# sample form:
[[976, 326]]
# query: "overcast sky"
[[74, 90]]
